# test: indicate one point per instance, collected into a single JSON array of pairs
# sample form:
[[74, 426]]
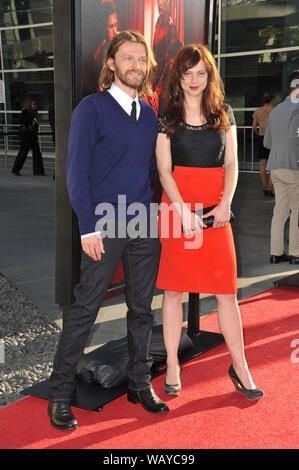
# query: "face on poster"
[[166, 24]]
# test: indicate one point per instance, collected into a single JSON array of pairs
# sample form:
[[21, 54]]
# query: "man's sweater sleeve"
[[82, 139], [153, 170]]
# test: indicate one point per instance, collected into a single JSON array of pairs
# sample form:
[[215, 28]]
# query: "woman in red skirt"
[[197, 162]]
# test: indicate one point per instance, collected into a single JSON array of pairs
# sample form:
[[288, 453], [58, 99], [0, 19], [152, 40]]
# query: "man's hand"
[[93, 246]]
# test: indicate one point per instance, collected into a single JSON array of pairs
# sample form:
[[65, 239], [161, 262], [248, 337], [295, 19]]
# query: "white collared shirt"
[[125, 101]]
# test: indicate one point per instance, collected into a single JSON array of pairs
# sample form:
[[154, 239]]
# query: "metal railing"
[[10, 143], [247, 142]]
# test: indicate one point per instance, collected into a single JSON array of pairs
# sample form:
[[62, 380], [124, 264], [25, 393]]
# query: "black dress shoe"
[[294, 260], [148, 399], [17, 173], [61, 416], [173, 389], [277, 259], [251, 394]]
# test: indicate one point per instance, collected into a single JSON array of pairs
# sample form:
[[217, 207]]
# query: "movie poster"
[[166, 24]]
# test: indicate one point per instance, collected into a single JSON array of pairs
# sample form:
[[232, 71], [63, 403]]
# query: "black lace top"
[[197, 146]]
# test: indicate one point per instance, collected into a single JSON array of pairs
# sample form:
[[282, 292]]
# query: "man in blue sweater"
[[111, 156]]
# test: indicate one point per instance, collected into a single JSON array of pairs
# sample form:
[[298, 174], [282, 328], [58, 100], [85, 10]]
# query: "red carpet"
[[208, 414]]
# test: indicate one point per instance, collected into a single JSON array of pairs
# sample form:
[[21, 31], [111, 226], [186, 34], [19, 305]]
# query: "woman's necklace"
[[195, 120]]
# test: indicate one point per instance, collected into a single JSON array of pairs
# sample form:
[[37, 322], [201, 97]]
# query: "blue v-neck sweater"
[[109, 155]]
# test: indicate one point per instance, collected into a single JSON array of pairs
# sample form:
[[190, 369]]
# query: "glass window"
[[27, 48], [247, 78], [22, 12], [259, 24], [243, 118], [21, 85]]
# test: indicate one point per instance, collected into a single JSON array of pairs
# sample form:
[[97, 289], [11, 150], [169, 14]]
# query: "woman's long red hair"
[[213, 95]]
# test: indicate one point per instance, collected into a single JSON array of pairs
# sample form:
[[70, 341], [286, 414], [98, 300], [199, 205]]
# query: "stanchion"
[[202, 340]]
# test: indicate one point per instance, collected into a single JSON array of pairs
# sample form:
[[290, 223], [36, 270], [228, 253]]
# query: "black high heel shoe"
[[173, 389], [250, 394]]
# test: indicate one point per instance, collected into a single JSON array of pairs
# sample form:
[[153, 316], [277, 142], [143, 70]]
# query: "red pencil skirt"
[[205, 263]]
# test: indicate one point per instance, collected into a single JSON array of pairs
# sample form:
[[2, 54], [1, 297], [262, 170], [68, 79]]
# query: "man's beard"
[[130, 81]]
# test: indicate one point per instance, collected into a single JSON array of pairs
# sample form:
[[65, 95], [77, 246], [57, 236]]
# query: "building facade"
[[257, 46], [26, 69]]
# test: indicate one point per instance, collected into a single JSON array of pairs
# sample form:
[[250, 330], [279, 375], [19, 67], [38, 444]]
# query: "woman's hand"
[[221, 215], [191, 222]]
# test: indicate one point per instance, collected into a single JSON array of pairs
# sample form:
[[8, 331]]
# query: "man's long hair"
[[107, 76], [213, 95]]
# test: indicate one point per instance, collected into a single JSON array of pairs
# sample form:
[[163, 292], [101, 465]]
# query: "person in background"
[[281, 137], [29, 140], [109, 30], [260, 119], [164, 37]]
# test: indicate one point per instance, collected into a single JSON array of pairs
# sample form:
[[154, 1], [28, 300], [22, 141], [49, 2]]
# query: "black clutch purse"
[[208, 221]]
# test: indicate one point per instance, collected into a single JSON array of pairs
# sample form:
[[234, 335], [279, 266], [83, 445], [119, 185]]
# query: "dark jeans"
[[140, 257], [27, 143]]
